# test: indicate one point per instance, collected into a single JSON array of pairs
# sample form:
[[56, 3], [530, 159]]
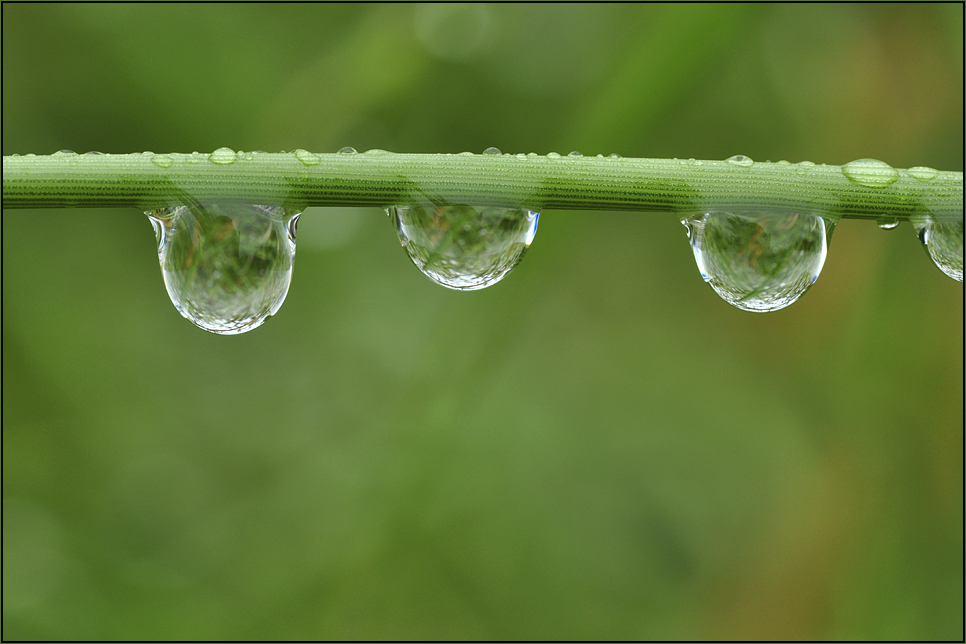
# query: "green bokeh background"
[[597, 447]]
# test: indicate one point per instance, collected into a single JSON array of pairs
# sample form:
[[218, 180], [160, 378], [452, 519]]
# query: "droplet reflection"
[[943, 240], [759, 261], [464, 247], [226, 267]]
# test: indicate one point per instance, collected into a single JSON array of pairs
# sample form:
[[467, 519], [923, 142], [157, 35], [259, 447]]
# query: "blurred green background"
[[597, 447]]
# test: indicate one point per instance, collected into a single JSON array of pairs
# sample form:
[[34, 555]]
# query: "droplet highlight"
[[741, 161], [227, 267], [870, 173], [887, 222], [943, 240], [223, 156], [461, 247], [162, 160], [307, 158], [759, 262]]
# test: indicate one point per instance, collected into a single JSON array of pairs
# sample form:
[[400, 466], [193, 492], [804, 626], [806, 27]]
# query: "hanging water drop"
[[759, 261], [922, 173], [491, 151], [227, 267], [162, 160], [741, 161], [307, 158], [943, 240], [347, 150], [223, 156], [887, 222], [464, 247], [870, 173]]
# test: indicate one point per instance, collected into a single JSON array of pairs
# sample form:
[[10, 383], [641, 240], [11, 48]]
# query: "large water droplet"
[[223, 156], [943, 240], [465, 247], [227, 267], [922, 173], [741, 160], [162, 160], [553, 155], [307, 158], [491, 151], [870, 173], [347, 150], [760, 261]]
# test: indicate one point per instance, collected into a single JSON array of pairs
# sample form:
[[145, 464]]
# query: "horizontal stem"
[[377, 178]]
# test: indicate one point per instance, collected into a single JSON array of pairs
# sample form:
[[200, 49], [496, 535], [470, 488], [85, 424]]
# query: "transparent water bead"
[[943, 240], [227, 267], [887, 222], [740, 160], [465, 248], [759, 261], [223, 156], [870, 173]]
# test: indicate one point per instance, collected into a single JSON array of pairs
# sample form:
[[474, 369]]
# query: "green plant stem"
[[378, 178]]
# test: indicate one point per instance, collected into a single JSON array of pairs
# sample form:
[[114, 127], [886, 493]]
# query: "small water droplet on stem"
[[741, 160], [307, 158], [870, 173], [223, 156]]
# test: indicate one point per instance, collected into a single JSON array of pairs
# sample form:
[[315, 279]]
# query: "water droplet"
[[465, 247], [783, 162], [226, 267], [741, 160], [465, 154], [94, 153], [64, 153], [759, 262], [943, 240], [347, 150], [223, 156], [887, 222], [521, 156], [802, 167], [553, 155], [491, 151], [923, 173], [532, 155], [870, 173], [614, 156], [575, 154], [162, 160], [307, 158]]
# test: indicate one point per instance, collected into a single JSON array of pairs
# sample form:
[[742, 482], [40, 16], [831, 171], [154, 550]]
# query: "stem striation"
[[378, 178]]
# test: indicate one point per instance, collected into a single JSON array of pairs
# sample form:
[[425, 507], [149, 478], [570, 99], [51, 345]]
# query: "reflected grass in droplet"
[[226, 267], [943, 240], [464, 247], [759, 261]]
